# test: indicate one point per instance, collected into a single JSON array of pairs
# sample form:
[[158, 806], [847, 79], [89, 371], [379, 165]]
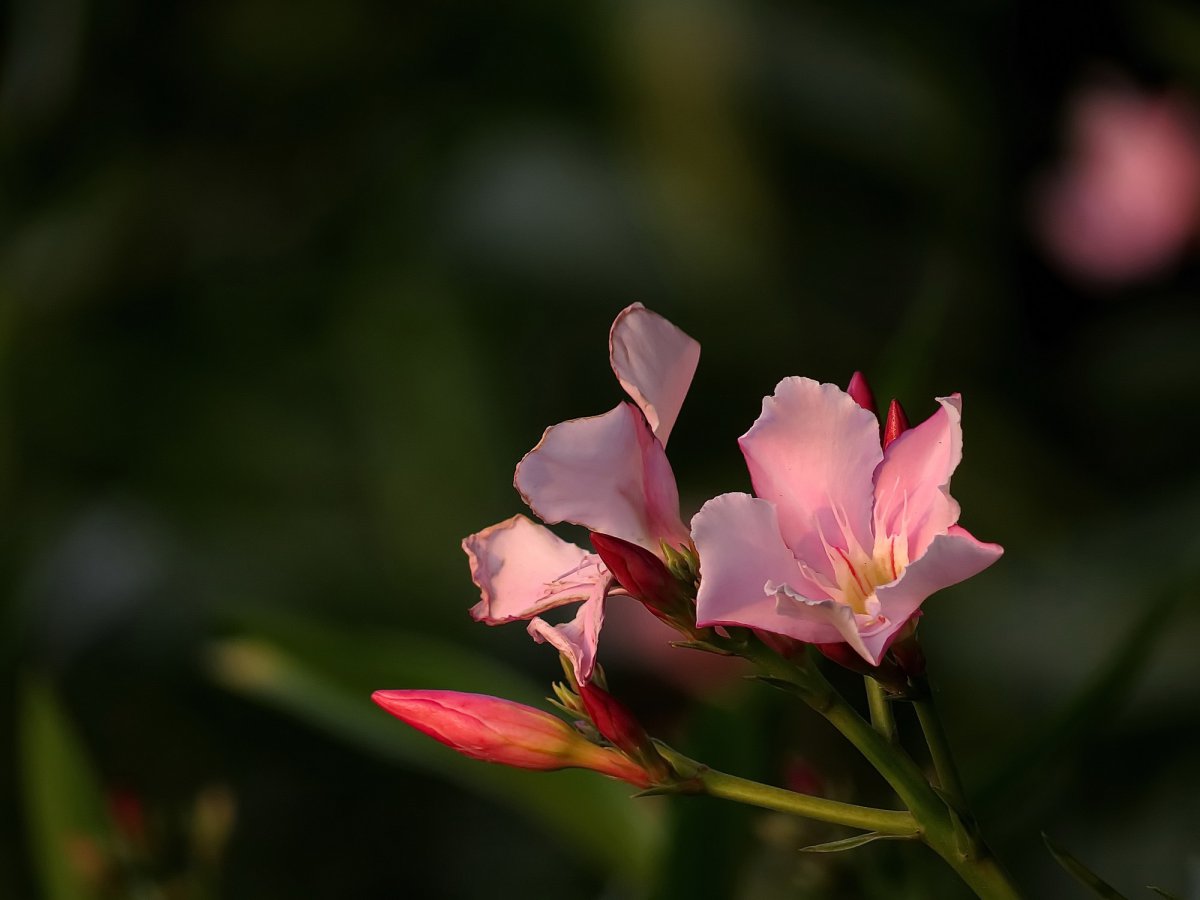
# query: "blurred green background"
[[286, 290]]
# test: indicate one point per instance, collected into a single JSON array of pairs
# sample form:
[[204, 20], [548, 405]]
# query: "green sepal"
[[1082, 873], [701, 645], [857, 841], [780, 684]]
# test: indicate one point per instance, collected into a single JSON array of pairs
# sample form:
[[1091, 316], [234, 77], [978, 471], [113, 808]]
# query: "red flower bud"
[[860, 391], [641, 573], [896, 424]]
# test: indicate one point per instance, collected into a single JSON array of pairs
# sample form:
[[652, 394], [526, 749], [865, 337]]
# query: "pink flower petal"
[[608, 473], [655, 362], [820, 622], [523, 569], [741, 550], [577, 639], [949, 559], [811, 453], [912, 484]]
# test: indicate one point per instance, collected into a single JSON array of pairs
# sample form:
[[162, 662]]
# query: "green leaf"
[[325, 678], [64, 804], [1082, 873], [857, 840]]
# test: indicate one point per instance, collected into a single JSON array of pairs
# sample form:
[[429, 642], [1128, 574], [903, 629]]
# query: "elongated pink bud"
[[641, 573], [500, 731], [860, 392], [896, 424]]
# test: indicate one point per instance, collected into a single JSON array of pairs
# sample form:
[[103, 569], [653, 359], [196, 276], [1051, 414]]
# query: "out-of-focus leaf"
[[1095, 701], [326, 678], [1162, 893], [64, 804], [1082, 873], [856, 841]]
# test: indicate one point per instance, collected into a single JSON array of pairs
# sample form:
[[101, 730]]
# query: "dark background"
[[286, 290]]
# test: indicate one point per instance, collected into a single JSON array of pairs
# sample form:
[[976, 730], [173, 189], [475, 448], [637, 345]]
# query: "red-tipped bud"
[[896, 424], [860, 392], [641, 573], [500, 731], [618, 725]]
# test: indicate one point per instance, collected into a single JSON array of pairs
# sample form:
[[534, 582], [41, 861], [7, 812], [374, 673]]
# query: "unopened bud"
[[618, 726], [500, 731], [896, 424], [860, 392], [642, 574]]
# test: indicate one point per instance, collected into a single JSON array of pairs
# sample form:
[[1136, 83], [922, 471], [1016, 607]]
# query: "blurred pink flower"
[[608, 473], [845, 539], [500, 731], [1126, 201]]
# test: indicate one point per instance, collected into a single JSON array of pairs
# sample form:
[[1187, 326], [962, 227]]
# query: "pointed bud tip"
[[896, 424], [861, 393]]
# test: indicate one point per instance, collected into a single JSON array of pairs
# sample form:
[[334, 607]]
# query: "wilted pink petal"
[[576, 639], [811, 452], [500, 731], [607, 473], [523, 569], [654, 361], [1126, 201], [805, 559]]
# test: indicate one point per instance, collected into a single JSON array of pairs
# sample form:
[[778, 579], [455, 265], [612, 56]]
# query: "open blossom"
[[844, 539], [608, 473], [501, 731]]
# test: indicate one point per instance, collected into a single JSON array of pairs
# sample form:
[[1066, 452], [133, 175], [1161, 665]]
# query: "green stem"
[[939, 746], [942, 828], [742, 790], [881, 711]]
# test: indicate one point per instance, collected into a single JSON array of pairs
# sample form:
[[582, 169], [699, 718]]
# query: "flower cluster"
[[850, 528]]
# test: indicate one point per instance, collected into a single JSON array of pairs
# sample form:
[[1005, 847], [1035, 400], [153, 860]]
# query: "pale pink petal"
[[577, 639], [608, 473], [811, 453], [523, 569], [655, 362], [912, 484], [949, 559], [740, 548], [819, 622]]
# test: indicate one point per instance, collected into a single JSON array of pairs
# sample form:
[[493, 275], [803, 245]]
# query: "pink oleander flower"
[[500, 731], [608, 473], [844, 540], [1126, 201]]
